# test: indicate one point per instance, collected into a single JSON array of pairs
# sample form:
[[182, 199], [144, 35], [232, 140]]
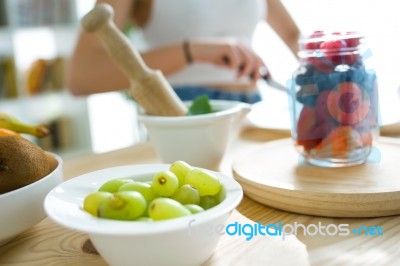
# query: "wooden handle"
[[100, 21], [148, 87]]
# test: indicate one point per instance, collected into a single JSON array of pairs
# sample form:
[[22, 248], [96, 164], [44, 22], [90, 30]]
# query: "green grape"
[[124, 205], [93, 200], [180, 169], [166, 208], [207, 202], [187, 194], [146, 212], [141, 187], [220, 196], [193, 208], [206, 182], [114, 184], [144, 219], [165, 183]]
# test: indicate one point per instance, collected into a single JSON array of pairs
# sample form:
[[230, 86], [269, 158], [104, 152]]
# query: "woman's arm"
[[282, 23], [90, 68]]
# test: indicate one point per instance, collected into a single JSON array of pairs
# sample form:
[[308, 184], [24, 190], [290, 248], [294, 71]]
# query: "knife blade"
[[273, 83]]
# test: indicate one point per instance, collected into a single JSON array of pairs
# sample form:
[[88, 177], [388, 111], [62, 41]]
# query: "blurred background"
[[37, 38]]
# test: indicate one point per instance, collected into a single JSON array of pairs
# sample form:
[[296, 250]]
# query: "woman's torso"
[[173, 21]]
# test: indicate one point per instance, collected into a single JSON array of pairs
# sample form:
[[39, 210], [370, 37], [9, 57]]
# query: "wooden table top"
[[48, 243]]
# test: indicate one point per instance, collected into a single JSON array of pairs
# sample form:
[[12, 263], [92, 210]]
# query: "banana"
[[10, 122]]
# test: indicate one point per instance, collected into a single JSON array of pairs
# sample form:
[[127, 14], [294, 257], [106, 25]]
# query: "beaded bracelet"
[[186, 51]]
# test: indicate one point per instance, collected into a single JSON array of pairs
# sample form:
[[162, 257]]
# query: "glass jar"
[[334, 100]]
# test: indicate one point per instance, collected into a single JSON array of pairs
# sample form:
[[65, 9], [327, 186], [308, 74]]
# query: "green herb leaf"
[[200, 105]]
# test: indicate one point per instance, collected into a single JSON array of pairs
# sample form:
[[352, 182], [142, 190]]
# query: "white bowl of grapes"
[[149, 214]]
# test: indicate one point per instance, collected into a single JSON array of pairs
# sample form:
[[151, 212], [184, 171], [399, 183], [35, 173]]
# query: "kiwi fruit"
[[21, 163]]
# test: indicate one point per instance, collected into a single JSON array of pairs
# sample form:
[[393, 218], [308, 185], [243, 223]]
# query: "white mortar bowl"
[[174, 242], [199, 140], [22, 208]]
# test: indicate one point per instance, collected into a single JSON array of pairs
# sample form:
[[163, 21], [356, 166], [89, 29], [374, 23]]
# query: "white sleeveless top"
[[176, 20]]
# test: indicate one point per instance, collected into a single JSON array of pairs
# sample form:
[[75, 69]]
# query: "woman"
[[201, 46]]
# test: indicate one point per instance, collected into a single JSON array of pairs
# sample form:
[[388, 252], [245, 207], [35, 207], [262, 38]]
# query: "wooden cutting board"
[[275, 175]]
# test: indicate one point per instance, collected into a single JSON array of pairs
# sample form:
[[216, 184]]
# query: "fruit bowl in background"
[[23, 208], [199, 140], [179, 241]]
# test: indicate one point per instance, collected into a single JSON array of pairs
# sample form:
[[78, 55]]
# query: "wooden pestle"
[[149, 87]]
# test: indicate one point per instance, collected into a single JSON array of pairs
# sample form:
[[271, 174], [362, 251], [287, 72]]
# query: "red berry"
[[333, 45], [314, 41], [352, 42], [350, 59], [332, 50], [312, 45], [351, 39]]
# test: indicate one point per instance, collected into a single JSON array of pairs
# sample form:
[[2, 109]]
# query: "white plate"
[[272, 112]]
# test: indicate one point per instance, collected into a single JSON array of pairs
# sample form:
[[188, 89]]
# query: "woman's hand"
[[231, 53]]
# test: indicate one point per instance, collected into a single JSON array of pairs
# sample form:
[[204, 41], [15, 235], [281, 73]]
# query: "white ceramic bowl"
[[22, 208], [175, 242], [199, 140]]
